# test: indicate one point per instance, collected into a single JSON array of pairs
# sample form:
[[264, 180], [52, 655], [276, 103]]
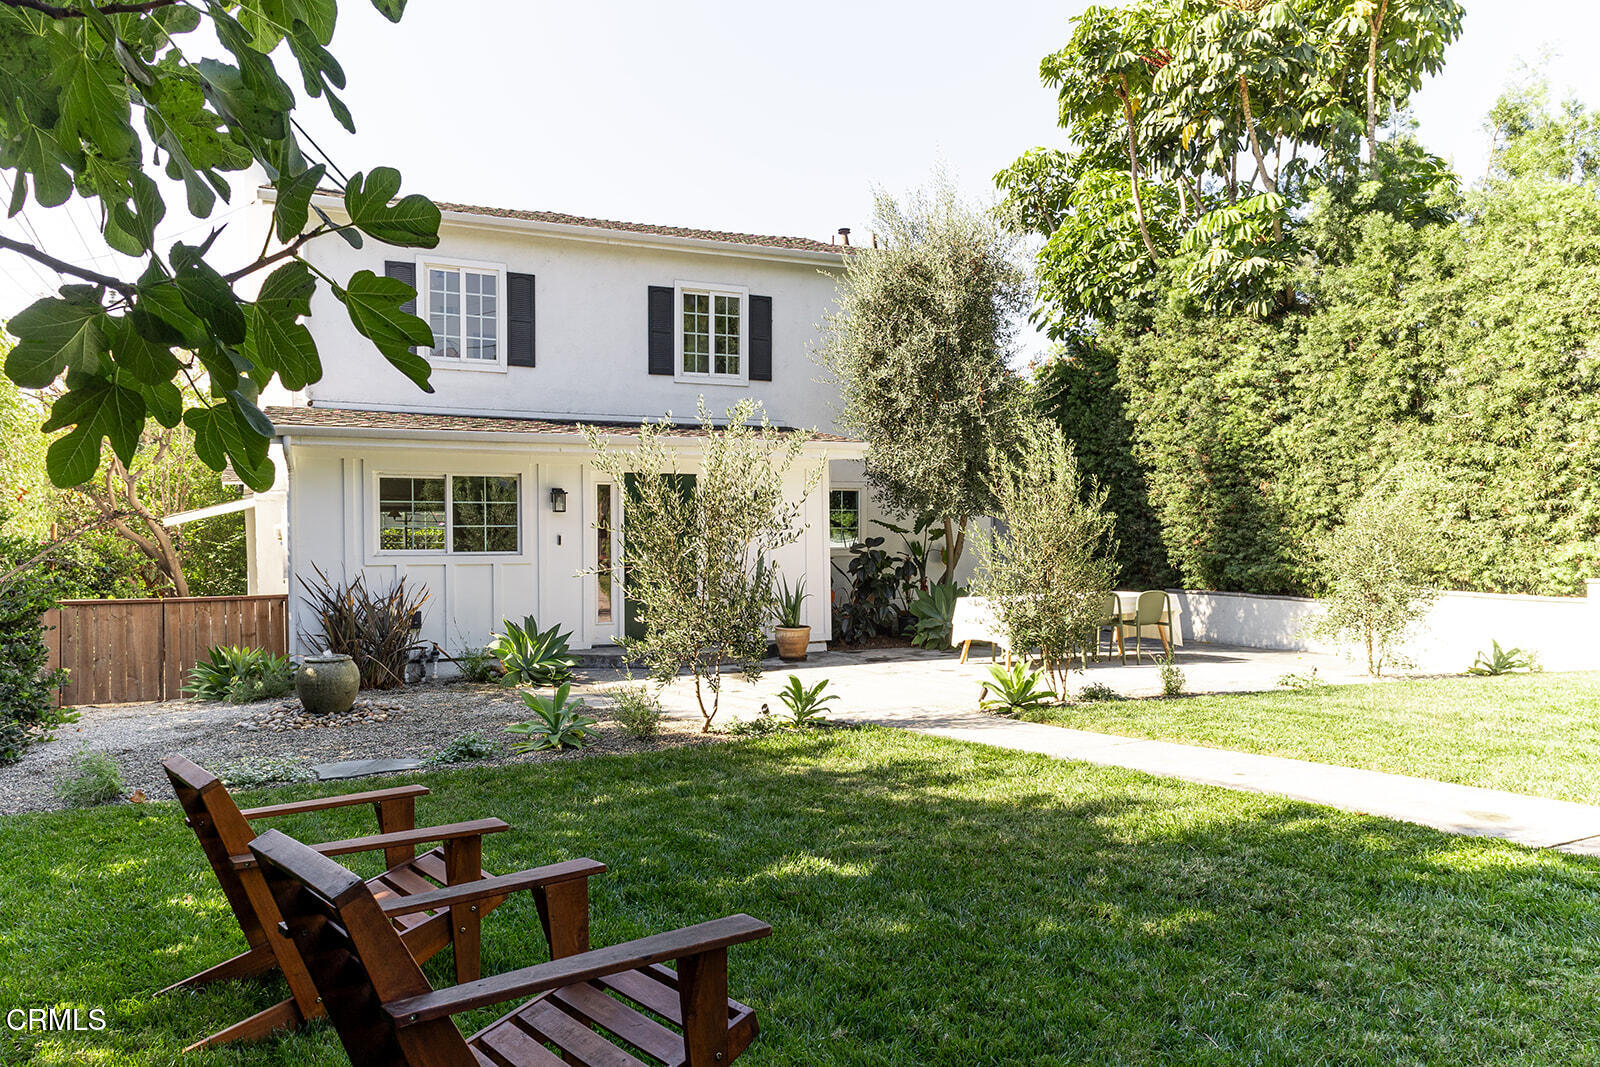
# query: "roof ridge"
[[561, 218]]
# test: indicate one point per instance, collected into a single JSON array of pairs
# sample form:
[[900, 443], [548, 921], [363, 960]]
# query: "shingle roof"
[[291, 418], [799, 244]]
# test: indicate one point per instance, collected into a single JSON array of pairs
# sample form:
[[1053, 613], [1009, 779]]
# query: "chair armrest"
[[345, 800], [583, 967], [503, 885], [421, 835]]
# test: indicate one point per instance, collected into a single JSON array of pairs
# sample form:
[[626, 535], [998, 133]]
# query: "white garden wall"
[[1564, 632]]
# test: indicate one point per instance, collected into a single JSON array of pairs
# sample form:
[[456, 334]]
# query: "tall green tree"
[[93, 99], [921, 347], [1204, 124]]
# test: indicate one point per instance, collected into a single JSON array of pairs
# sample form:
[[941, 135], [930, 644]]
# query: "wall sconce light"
[[558, 500]]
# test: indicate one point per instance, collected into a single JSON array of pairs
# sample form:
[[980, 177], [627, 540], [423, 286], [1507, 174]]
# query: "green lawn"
[[1529, 733], [933, 902]]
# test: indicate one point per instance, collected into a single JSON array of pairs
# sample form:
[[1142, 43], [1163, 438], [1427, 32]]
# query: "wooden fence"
[[122, 651]]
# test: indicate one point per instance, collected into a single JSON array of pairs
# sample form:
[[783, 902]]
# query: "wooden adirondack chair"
[[588, 1008], [225, 834]]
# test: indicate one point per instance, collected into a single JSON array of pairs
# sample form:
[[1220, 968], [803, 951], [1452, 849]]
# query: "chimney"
[[844, 232]]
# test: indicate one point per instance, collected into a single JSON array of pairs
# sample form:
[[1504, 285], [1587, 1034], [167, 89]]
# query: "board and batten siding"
[[334, 529]]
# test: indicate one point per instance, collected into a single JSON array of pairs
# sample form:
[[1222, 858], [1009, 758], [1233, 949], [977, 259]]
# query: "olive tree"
[[920, 347], [1050, 562], [1381, 564], [697, 543], [96, 101]]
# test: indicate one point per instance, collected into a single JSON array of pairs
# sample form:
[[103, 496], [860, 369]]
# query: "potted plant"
[[792, 636]]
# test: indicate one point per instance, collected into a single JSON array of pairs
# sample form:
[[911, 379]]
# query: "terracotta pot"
[[327, 684], [792, 642]]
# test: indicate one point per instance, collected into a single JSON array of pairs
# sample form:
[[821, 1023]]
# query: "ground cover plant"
[[1529, 733], [1124, 918]]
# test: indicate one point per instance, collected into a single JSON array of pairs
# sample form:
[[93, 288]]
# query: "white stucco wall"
[[1564, 632], [591, 331], [333, 508]]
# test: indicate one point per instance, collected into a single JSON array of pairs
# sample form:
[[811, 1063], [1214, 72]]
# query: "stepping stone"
[[360, 768]]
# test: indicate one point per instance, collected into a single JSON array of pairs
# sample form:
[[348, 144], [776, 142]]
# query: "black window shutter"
[[661, 329], [405, 272], [519, 320], [761, 338]]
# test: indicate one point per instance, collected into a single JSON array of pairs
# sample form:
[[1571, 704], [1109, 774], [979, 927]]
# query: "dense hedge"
[[26, 688], [1472, 347]]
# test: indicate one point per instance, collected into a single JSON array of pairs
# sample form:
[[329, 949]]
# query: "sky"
[[767, 118]]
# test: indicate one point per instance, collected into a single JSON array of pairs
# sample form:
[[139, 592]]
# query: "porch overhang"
[[331, 425]]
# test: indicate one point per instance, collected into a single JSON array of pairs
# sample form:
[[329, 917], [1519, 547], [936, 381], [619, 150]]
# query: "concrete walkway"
[[934, 694]]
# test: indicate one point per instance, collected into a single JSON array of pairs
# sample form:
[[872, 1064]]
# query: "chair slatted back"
[[209, 810], [356, 958]]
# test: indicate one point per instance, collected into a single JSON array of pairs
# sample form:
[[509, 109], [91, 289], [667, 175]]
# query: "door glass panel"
[[603, 526]]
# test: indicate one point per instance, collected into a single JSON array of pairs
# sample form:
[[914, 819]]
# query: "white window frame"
[[861, 517], [374, 505], [499, 365], [711, 289]]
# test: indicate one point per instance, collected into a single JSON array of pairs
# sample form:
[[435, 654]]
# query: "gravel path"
[[415, 723]]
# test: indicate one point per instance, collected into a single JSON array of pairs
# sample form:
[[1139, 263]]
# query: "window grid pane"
[[482, 315], [726, 340], [844, 516], [696, 333], [483, 514], [444, 312], [411, 514]]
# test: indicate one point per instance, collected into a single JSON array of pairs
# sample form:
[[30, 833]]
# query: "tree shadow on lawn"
[[932, 902]]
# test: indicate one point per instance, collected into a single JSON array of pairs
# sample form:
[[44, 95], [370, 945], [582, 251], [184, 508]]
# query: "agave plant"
[[240, 675], [556, 723], [805, 705], [934, 613], [1502, 661], [531, 656], [790, 602], [1016, 689]]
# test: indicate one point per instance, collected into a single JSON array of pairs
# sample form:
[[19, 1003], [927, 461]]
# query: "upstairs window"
[[711, 334], [463, 306]]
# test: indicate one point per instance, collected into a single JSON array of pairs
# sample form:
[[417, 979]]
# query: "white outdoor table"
[[976, 620]]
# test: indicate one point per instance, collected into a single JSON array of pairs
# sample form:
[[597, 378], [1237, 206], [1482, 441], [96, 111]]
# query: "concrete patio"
[[933, 693]]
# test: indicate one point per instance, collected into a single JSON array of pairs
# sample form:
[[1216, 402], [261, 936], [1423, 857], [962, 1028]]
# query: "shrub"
[[871, 609], [478, 665], [1380, 566], [760, 726], [466, 748], [27, 689], [935, 615], [637, 711], [257, 771], [1171, 678], [699, 544], [1049, 568], [806, 705], [1017, 689], [1502, 661], [374, 629], [1096, 692], [91, 778], [1295, 680], [530, 656], [557, 724], [240, 675]]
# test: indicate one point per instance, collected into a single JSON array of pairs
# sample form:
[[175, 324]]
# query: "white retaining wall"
[[1564, 632]]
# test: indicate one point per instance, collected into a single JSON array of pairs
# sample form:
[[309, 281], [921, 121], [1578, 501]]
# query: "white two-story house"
[[484, 490]]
